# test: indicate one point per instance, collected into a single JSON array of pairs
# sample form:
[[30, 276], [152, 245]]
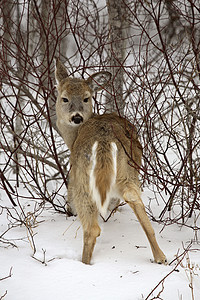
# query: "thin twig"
[[182, 255]]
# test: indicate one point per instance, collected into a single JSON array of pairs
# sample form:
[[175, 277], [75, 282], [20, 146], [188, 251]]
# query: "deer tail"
[[103, 174]]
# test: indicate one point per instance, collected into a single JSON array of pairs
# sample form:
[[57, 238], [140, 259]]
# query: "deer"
[[105, 158]]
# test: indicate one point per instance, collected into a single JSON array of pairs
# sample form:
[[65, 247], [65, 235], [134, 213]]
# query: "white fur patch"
[[94, 191], [112, 193], [114, 155]]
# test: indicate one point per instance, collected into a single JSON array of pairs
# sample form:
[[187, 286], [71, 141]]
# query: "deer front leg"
[[70, 206], [91, 231], [132, 197]]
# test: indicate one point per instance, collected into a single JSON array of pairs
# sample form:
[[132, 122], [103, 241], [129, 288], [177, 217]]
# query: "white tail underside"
[[112, 193]]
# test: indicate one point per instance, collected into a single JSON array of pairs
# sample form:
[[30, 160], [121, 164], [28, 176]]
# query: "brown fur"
[[103, 170], [105, 157]]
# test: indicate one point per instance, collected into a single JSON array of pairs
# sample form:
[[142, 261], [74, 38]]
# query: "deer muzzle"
[[77, 119]]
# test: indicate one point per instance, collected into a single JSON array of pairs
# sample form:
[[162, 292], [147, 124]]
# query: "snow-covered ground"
[[121, 265]]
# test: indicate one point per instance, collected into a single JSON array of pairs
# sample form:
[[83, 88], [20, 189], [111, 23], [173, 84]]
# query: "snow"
[[121, 265]]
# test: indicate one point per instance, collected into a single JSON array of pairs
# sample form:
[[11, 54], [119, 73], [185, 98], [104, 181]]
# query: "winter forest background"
[[152, 49]]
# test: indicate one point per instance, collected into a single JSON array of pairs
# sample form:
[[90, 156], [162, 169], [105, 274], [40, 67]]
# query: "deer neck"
[[69, 133]]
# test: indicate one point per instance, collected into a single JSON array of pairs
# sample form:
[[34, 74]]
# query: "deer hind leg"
[[132, 197], [91, 230]]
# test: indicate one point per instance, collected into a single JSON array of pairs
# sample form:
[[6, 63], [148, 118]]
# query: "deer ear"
[[99, 80], [60, 71]]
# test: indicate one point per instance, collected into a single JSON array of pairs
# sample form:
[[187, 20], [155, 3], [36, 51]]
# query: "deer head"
[[74, 101]]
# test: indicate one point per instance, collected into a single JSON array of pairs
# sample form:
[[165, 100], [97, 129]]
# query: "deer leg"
[[132, 197], [91, 231], [70, 207]]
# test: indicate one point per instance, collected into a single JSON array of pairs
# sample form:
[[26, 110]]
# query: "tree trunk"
[[116, 57], [19, 104], [50, 47]]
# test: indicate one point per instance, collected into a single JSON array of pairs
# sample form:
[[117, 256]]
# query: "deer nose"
[[77, 119]]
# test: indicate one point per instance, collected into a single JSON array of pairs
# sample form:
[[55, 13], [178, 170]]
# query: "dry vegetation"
[[153, 47]]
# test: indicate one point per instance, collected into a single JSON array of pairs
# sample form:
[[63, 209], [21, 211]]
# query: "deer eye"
[[86, 100], [65, 100]]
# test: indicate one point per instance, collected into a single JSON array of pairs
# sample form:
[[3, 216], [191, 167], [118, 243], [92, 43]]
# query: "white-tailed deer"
[[105, 157]]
